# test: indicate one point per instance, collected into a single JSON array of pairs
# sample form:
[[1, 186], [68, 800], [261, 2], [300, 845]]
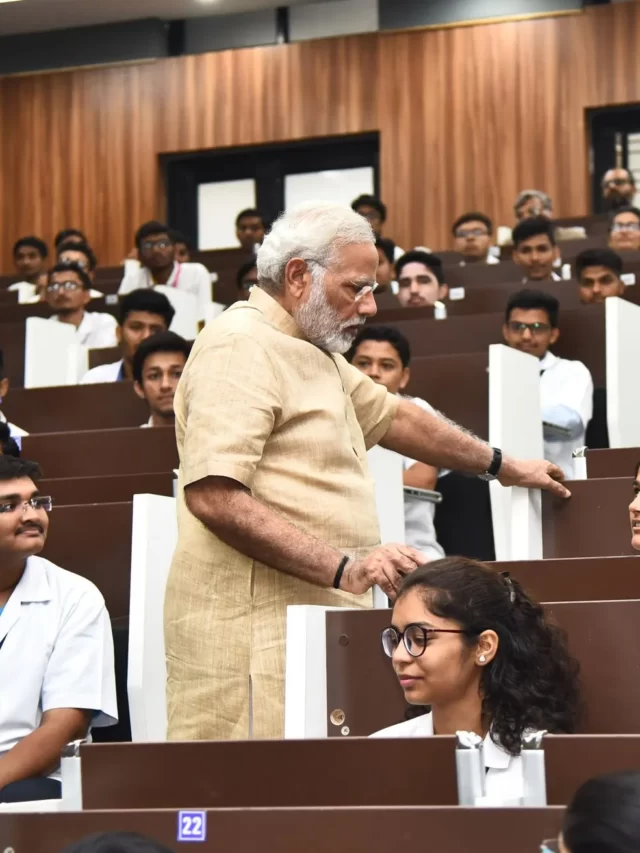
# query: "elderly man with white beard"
[[276, 505]]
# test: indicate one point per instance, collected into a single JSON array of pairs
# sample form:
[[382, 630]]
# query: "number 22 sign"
[[192, 826]]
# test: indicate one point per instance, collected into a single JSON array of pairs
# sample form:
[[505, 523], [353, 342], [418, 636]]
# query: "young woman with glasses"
[[470, 644]]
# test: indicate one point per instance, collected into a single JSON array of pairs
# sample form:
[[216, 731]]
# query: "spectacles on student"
[[461, 233], [615, 182], [534, 328], [550, 845], [69, 286], [41, 502], [625, 226], [414, 637], [149, 245]]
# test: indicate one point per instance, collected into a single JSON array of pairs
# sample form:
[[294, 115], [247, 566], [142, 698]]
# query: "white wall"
[[335, 18]]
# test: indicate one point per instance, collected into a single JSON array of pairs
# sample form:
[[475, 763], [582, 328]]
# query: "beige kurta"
[[259, 404]]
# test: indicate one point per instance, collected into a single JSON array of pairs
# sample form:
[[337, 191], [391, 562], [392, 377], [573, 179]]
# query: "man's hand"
[[533, 474], [385, 566]]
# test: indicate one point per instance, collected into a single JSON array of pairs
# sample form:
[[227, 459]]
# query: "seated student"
[[142, 313], [30, 260], [375, 212], [69, 235], [250, 229], [246, 278], [57, 663], [420, 280], [157, 367], [157, 266], [383, 353], [624, 229], [566, 387], [384, 273], [634, 511], [181, 246], [532, 203], [473, 234], [599, 274], [4, 390], [535, 249], [68, 293], [469, 642], [602, 817], [71, 252]]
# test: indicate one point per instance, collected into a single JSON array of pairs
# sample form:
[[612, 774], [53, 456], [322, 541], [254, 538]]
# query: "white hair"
[[315, 231], [527, 195]]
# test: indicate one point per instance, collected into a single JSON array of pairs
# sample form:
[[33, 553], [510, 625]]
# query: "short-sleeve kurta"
[[261, 405]]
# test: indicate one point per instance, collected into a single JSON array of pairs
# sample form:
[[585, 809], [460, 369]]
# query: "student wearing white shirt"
[[599, 274], [143, 313], [420, 279], [30, 260], [56, 646], [473, 234], [566, 387], [73, 252], [156, 252], [383, 354], [157, 367], [68, 293], [535, 249], [250, 229], [375, 212], [468, 643]]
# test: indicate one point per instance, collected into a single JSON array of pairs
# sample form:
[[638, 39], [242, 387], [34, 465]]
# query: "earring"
[[482, 659]]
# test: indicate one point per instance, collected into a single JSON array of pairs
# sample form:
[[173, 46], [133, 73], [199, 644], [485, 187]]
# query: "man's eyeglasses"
[[149, 245], [41, 502], [363, 290], [534, 328], [415, 638], [461, 233], [68, 286], [615, 182], [625, 226]]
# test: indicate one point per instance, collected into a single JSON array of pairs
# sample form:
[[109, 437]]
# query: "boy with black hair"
[[157, 367], [68, 294], [566, 387], [375, 212], [624, 229], [599, 274], [182, 247], [473, 232], [383, 353], [30, 260], [69, 235], [246, 278], [535, 249], [143, 313], [420, 279], [250, 229], [158, 266]]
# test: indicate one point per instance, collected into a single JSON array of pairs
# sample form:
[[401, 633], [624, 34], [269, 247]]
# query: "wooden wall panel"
[[467, 116]]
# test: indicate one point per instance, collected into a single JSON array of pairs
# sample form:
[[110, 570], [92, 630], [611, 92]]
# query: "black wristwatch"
[[494, 469]]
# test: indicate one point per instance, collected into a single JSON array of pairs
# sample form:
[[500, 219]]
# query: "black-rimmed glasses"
[[415, 638]]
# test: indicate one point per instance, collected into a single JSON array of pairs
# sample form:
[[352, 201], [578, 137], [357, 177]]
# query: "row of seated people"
[[497, 664]]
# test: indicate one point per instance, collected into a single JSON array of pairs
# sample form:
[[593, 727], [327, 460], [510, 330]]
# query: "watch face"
[[487, 477]]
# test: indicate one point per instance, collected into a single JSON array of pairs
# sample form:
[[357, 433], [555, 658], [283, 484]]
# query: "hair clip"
[[509, 582]]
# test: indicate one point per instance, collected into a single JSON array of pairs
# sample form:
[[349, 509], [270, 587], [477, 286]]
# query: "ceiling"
[[31, 15]]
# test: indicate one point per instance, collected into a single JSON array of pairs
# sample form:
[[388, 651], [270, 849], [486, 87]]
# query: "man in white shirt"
[[383, 354], [157, 367], [535, 249], [30, 260], [156, 252], [68, 293], [142, 313], [473, 234], [56, 646], [566, 387], [250, 229], [420, 279], [599, 274]]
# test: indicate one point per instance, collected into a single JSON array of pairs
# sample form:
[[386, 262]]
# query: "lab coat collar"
[[495, 757], [32, 586], [548, 361]]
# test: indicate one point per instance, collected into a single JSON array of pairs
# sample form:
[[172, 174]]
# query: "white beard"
[[321, 324]]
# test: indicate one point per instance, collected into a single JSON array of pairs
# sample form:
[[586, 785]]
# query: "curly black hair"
[[532, 682]]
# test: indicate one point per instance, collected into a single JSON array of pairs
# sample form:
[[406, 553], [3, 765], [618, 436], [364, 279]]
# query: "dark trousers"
[[40, 788]]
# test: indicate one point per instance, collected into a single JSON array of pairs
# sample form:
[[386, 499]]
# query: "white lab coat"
[[566, 398], [96, 331], [57, 652], [504, 780], [113, 372], [192, 278]]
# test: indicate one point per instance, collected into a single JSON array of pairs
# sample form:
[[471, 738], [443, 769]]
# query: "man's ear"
[[137, 387], [504, 332], [296, 278], [87, 297], [406, 376], [553, 337], [119, 334], [556, 253], [4, 388], [443, 291]]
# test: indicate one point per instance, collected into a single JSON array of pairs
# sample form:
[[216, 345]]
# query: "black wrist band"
[[338, 577]]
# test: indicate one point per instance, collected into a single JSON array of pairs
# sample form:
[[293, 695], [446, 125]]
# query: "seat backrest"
[[154, 537]]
